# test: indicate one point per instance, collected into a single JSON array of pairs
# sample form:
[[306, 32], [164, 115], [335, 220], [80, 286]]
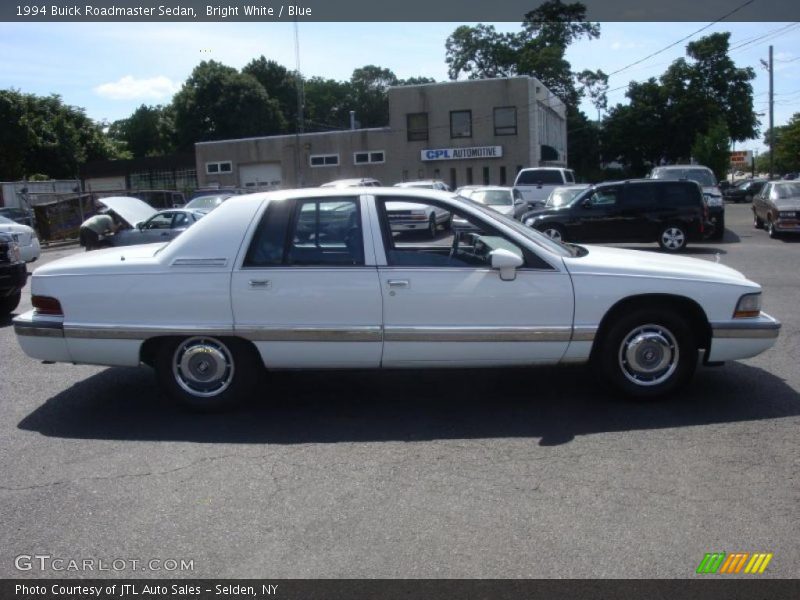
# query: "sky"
[[111, 68]]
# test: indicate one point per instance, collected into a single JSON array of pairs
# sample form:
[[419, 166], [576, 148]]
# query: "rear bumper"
[[742, 338]]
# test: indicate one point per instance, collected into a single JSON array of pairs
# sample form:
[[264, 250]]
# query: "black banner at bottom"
[[400, 589]]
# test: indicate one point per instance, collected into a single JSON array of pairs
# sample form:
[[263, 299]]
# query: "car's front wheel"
[[208, 374], [648, 353], [432, 229], [9, 303], [771, 230], [555, 233], [758, 223], [673, 238]]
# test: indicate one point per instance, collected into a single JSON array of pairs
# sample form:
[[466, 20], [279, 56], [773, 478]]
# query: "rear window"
[[677, 194], [702, 176], [536, 176]]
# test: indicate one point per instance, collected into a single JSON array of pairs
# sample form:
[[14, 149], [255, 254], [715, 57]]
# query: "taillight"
[[45, 305]]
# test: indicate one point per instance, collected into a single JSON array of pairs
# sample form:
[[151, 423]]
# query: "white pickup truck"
[[535, 184]]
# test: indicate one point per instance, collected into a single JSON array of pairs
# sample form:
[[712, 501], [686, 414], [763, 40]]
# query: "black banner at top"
[[375, 11]]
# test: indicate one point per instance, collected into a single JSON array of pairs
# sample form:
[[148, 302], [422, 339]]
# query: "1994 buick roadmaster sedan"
[[318, 278]]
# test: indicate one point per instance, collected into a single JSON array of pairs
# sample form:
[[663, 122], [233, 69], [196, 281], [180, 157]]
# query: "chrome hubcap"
[[673, 238], [202, 366], [553, 234], [649, 355]]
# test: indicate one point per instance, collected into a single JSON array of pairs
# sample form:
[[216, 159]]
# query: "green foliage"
[[280, 85], [217, 102], [712, 149], [41, 134], [149, 131], [786, 148]]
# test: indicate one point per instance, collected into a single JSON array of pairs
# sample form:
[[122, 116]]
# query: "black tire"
[[432, 228], [719, 229], [770, 227], [651, 338], [181, 363], [673, 237], [554, 232], [757, 222], [9, 303]]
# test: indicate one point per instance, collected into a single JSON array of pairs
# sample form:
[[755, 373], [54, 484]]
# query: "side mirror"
[[518, 202], [587, 203], [506, 262], [139, 225]]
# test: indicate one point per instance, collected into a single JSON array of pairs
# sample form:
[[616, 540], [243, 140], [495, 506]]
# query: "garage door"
[[260, 176]]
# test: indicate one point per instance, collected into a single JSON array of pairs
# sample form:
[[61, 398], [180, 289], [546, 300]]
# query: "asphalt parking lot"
[[435, 474]]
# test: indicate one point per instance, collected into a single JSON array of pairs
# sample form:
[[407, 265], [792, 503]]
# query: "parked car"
[[405, 217], [163, 226], [708, 181], [218, 191], [13, 274], [501, 295], [18, 215], [207, 202], [426, 184], [744, 191], [357, 182], [777, 208], [29, 247], [535, 184], [505, 200], [563, 195], [671, 213]]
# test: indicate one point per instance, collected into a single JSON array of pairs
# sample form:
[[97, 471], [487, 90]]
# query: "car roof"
[[353, 182]]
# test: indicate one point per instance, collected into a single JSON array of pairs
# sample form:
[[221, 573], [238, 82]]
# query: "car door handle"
[[398, 283], [260, 284]]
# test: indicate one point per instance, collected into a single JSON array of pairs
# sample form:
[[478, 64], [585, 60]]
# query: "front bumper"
[[742, 338]]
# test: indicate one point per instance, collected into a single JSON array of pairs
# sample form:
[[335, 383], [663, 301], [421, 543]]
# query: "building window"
[[417, 127], [324, 160], [485, 175], [214, 168], [503, 175], [505, 120], [460, 123], [369, 157], [469, 175], [453, 178]]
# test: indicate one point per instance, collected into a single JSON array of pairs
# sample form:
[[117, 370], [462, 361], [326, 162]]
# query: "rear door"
[[639, 216], [306, 290]]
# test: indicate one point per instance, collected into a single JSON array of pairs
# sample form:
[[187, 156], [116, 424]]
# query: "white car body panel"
[[29, 247], [130, 209], [116, 299]]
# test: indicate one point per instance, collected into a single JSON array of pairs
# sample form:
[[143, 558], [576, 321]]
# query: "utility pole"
[[771, 135]]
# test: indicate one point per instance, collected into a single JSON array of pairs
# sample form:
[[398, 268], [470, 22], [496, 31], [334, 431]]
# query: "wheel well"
[[149, 350], [685, 307]]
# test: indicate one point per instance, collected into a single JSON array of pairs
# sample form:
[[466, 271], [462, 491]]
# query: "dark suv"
[[671, 213], [13, 274]]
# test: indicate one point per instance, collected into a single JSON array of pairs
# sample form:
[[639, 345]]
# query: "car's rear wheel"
[[208, 374], [555, 233], [672, 238], [9, 303], [758, 223], [648, 353]]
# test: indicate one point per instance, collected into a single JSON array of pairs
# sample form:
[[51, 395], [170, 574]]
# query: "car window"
[[160, 221], [679, 195], [308, 233], [700, 175], [465, 242], [536, 176], [492, 197], [640, 195], [569, 176], [180, 220], [608, 196]]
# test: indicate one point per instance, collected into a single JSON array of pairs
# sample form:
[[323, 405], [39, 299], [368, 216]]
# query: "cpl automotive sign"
[[462, 153]]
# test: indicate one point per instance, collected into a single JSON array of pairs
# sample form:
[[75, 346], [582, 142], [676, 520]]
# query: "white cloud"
[[130, 88]]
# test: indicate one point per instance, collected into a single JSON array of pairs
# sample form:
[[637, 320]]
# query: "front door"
[[307, 291], [443, 304], [600, 216]]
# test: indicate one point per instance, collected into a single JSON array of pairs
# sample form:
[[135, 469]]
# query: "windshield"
[[702, 176], [562, 196], [492, 197], [207, 202], [538, 238], [787, 190]]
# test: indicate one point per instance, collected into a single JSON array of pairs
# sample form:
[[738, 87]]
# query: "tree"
[[149, 131], [786, 147], [218, 102], [43, 135], [368, 97], [327, 104], [712, 149], [279, 83]]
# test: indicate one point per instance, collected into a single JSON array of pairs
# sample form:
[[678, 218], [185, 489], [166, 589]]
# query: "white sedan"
[[29, 247], [314, 278]]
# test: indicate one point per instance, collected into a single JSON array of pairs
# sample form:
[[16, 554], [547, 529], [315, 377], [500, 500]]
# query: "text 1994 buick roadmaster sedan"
[[318, 278]]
